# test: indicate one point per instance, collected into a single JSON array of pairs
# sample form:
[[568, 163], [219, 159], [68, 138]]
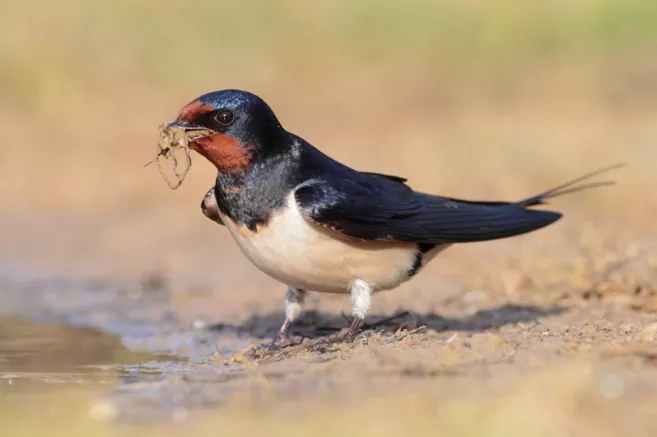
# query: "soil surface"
[[562, 321]]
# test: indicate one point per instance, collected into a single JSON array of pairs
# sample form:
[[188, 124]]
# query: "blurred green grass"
[[518, 85], [52, 49]]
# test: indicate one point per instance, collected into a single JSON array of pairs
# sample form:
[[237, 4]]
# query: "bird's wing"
[[371, 207], [391, 177]]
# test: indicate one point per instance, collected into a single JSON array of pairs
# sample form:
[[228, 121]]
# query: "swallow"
[[316, 224]]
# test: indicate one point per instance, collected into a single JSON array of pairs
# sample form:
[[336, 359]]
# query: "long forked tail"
[[570, 187]]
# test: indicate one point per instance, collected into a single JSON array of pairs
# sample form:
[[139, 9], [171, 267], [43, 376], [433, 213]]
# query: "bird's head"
[[232, 129]]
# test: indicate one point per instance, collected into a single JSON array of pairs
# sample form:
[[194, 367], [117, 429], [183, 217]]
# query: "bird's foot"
[[321, 345], [352, 331], [269, 349], [283, 342]]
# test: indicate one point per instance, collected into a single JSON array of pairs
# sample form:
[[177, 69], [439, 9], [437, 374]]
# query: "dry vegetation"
[[474, 99]]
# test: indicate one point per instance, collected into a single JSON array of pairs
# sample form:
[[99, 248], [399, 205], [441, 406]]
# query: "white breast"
[[305, 255]]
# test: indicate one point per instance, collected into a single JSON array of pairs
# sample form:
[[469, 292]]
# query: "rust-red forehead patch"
[[193, 109]]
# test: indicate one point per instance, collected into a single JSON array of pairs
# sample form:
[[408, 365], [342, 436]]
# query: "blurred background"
[[476, 99], [485, 100]]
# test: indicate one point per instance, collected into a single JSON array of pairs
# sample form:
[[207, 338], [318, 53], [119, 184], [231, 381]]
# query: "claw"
[[279, 344]]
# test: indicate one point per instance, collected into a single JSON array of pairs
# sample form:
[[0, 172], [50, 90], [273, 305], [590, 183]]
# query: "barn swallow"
[[316, 224]]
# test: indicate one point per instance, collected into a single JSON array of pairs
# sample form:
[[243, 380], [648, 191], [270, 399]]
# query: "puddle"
[[33, 348], [38, 358], [41, 362], [106, 341]]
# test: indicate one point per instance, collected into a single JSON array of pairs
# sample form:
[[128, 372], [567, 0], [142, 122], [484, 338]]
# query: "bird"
[[318, 225]]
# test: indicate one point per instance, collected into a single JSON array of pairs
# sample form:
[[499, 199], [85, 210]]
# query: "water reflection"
[[49, 364], [34, 356]]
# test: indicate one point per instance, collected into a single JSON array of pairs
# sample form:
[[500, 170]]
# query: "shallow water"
[[33, 355], [40, 361], [62, 338]]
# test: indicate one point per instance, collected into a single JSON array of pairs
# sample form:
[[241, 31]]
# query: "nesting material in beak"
[[174, 137]]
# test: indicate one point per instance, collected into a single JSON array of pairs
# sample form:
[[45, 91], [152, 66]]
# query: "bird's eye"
[[225, 117]]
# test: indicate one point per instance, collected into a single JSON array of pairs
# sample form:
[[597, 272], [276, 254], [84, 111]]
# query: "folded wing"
[[381, 211]]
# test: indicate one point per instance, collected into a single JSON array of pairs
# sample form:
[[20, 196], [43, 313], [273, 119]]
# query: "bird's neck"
[[249, 197]]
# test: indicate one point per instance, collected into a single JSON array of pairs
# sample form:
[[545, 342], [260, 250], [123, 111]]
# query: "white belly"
[[302, 254]]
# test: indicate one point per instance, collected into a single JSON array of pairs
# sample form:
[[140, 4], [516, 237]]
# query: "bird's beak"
[[192, 132], [183, 125]]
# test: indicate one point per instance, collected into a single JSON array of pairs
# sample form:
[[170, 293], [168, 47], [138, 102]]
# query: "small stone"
[[103, 411], [199, 324], [611, 386]]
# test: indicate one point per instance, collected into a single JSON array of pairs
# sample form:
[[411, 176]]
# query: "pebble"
[[103, 410], [611, 386]]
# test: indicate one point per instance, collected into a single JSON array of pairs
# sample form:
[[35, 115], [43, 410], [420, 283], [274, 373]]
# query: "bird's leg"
[[361, 301], [294, 298]]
